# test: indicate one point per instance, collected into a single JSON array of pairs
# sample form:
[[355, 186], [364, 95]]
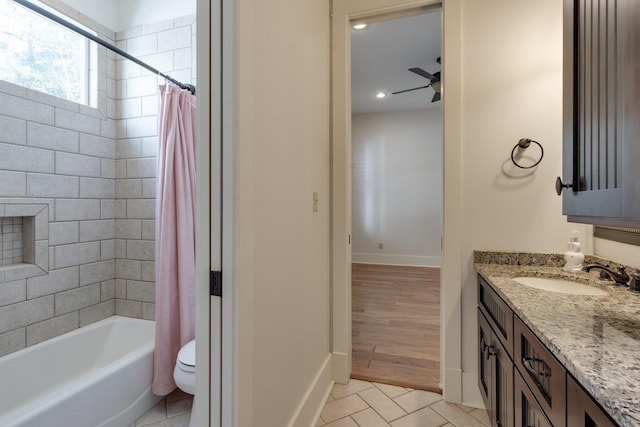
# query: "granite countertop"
[[596, 338]]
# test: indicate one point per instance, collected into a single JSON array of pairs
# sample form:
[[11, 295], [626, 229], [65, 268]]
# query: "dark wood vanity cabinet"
[[601, 110], [582, 411], [521, 382]]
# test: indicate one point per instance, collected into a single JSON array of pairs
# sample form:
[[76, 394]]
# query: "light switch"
[[315, 201]]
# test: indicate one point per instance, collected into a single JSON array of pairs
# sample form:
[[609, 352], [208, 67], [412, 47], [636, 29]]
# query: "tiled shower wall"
[[170, 47], [93, 170]]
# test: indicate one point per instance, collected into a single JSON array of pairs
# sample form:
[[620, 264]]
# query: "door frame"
[[343, 12]]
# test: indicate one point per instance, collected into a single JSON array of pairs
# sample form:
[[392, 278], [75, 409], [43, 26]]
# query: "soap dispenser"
[[573, 256]]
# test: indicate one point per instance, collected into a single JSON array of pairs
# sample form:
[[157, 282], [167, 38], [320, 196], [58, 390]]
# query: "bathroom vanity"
[[549, 358]]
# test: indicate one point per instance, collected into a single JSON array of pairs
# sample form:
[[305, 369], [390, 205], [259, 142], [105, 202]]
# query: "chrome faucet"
[[620, 277]]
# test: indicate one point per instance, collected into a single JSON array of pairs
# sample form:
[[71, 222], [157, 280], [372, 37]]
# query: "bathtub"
[[96, 376]]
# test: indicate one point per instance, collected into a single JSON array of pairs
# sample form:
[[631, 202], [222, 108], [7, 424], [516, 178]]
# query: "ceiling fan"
[[434, 82]]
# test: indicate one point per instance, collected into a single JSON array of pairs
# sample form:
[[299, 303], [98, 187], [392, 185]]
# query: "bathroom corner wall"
[[57, 170], [170, 47]]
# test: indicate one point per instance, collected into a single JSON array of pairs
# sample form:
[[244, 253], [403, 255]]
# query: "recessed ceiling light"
[[359, 26], [380, 95]]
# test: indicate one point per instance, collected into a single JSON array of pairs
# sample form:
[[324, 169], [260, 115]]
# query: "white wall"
[[397, 187], [119, 15], [282, 255], [512, 80]]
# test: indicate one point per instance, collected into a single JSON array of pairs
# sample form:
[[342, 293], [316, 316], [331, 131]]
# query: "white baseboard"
[[315, 397], [341, 367], [389, 259], [452, 390]]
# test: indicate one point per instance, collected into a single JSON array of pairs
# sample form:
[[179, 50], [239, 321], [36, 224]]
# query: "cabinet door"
[[528, 412], [601, 106], [582, 411], [495, 375]]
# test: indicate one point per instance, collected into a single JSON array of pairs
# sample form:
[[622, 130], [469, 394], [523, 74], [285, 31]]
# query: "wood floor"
[[396, 325]]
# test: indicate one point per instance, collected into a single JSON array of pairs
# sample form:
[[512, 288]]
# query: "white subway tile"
[[54, 101], [182, 58], [142, 45], [141, 291], [150, 105], [12, 341], [128, 269], [150, 146], [107, 168], [127, 69], [142, 86], [107, 249], [141, 209], [149, 188], [13, 184], [149, 311], [128, 33], [121, 209], [121, 168], [144, 250], [76, 121], [121, 289], [108, 128], [97, 146], [97, 312], [149, 271], [174, 39], [141, 168], [77, 165], [128, 229], [187, 20], [128, 188], [13, 292], [52, 328], [96, 272], [97, 230], [61, 233], [13, 131], [19, 315], [157, 27], [77, 254], [77, 299], [127, 108], [108, 290], [52, 138], [48, 185], [73, 209], [142, 127], [128, 148], [149, 229], [107, 209], [7, 88], [162, 61], [97, 188], [27, 159], [26, 109], [128, 308]]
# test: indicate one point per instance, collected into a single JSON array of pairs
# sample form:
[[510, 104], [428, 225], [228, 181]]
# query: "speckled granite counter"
[[597, 338]]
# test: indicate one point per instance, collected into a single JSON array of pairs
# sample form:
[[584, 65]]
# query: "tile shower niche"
[[24, 244]]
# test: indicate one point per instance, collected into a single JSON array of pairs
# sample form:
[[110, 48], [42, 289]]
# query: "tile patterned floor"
[[356, 404], [366, 404], [172, 411]]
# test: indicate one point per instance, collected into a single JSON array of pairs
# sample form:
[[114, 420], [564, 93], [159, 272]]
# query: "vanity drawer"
[[497, 313], [541, 372]]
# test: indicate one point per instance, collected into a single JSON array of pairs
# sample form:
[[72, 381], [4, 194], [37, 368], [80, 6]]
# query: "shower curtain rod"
[[101, 42]]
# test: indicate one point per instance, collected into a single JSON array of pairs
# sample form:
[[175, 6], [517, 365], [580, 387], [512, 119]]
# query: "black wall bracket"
[[215, 283]]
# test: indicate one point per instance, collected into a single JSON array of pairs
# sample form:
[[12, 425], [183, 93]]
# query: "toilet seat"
[[186, 360]]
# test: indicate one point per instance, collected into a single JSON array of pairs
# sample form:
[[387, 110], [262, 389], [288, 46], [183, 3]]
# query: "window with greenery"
[[42, 55]]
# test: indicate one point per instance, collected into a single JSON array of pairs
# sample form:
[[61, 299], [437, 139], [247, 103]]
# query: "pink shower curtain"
[[175, 232]]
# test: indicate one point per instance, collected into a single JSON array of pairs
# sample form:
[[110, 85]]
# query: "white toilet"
[[184, 373]]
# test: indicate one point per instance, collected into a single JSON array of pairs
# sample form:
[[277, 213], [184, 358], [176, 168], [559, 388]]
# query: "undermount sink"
[[560, 286]]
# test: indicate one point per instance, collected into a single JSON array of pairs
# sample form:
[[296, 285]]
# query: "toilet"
[[184, 373]]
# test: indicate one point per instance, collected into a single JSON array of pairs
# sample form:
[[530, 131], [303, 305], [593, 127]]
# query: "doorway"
[[396, 170]]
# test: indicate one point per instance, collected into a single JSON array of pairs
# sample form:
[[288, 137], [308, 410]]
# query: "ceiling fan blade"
[[409, 90], [422, 73], [436, 97]]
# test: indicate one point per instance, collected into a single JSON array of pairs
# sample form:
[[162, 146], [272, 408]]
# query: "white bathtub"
[[96, 376]]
